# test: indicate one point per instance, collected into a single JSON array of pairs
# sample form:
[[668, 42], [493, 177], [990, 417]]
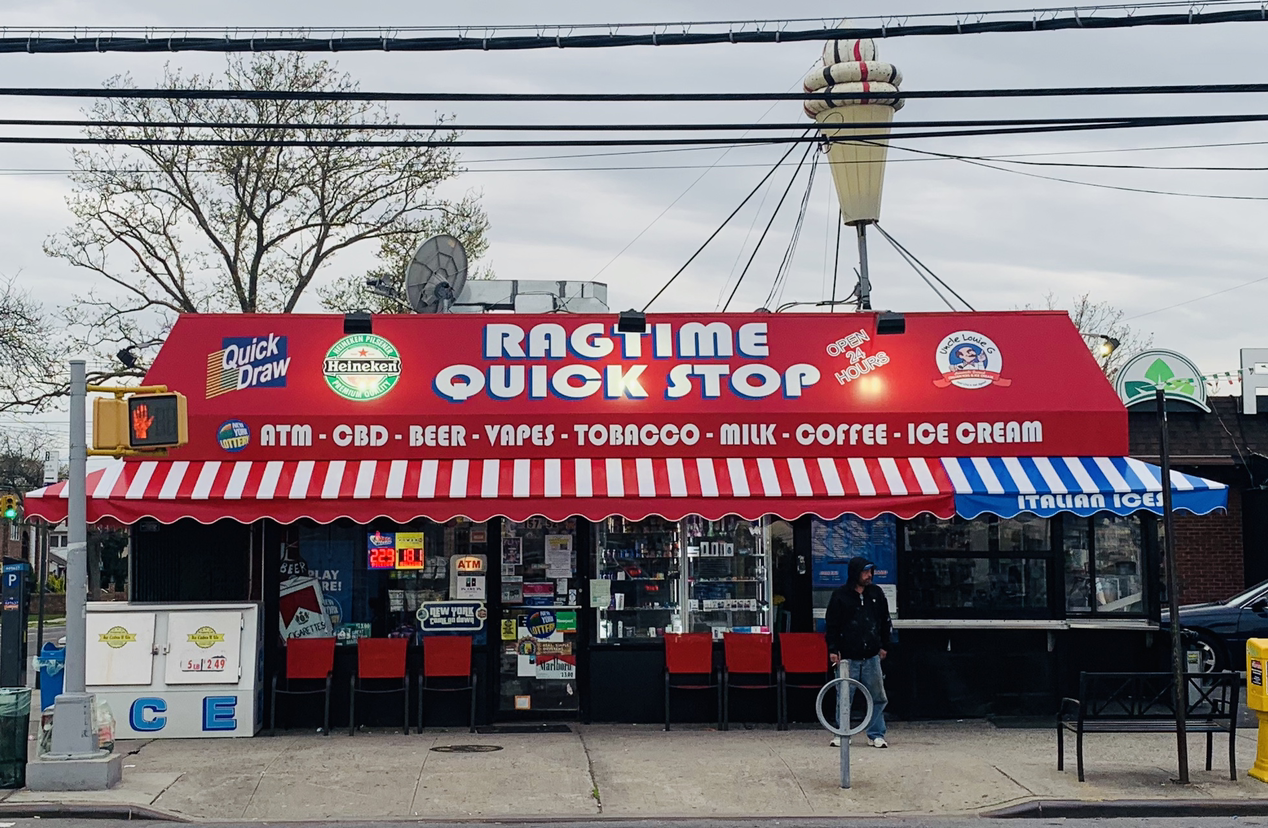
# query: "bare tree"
[[32, 355], [1096, 320], [22, 458], [171, 229]]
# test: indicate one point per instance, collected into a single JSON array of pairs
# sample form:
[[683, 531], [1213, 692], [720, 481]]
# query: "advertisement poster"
[[303, 609], [834, 542], [512, 551], [559, 556], [451, 616], [470, 587], [512, 589], [600, 593], [556, 661], [329, 559], [539, 594]]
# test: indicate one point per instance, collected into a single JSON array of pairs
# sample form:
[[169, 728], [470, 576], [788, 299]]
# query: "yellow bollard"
[[1257, 700]]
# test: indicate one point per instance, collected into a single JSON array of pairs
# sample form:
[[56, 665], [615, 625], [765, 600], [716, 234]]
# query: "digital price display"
[[409, 550], [382, 551]]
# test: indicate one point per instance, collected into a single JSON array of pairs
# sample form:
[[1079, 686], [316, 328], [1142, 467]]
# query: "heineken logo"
[[362, 367], [205, 637], [116, 637], [1179, 379]]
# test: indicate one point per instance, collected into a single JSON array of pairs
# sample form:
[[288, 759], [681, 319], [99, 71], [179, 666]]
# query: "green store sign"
[[1178, 377]]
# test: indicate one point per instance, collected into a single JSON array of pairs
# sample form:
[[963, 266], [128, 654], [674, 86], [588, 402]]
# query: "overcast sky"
[[1002, 239]]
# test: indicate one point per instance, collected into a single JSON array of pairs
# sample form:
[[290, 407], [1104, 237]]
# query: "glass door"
[[537, 662], [728, 575]]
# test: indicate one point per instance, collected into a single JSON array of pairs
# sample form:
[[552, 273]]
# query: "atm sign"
[[469, 563]]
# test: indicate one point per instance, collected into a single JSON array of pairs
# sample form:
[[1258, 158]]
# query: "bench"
[[1144, 703]]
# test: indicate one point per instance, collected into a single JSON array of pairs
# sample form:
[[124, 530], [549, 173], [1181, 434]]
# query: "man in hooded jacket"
[[858, 631]]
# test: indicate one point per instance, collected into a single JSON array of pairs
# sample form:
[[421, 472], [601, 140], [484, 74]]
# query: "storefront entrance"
[[540, 622]]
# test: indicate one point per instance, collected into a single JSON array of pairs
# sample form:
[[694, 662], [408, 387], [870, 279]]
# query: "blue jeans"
[[867, 671]]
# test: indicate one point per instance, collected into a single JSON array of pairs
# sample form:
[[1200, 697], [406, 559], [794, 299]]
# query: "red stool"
[[379, 659], [802, 654], [447, 657], [690, 654], [307, 659], [747, 654]]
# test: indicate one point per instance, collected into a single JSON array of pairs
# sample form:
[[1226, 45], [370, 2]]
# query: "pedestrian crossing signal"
[[157, 421], [10, 507]]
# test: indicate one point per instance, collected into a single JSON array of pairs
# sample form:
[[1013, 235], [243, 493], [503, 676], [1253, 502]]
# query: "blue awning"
[[1008, 486]]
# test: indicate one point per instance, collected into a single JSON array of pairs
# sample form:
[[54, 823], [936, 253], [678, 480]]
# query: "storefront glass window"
[[1075, 534], [639, 579], [1118, 564], [728, 575], [983, 583], [976, 568], [1104, 564], [353, 581]]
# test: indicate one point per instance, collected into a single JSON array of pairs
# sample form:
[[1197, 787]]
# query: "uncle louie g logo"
[[967, 359]]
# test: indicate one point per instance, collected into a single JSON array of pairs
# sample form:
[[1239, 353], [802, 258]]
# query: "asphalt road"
[[729, 822]]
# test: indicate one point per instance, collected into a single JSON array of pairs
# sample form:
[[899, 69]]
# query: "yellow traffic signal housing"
[[157, 421], [109, 423], [10, 507]]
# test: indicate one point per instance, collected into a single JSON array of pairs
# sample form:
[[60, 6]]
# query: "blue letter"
[[218, 712], [138, 719]]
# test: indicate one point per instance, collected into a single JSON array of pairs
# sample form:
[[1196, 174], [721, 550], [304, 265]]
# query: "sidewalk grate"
[[466, 748], [497, 730]]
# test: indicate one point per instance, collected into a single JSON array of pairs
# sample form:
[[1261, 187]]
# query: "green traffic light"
[[10, 514]]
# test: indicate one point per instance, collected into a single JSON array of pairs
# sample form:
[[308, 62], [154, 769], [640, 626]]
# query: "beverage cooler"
[[177, 671]]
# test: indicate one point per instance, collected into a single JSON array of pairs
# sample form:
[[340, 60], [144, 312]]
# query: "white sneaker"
[[878, 742], [836, 742]]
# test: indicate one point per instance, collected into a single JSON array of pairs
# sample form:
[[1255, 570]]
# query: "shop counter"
[[176, 671]]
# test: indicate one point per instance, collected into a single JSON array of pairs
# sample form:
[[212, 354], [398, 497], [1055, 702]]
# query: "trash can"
[[52, 665], [15, 721]]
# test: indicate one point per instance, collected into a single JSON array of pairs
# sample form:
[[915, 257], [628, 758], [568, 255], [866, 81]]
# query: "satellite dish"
[[436, 275]]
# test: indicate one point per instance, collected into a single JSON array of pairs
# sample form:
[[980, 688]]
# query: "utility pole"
[[74, 735], [1173, 593]]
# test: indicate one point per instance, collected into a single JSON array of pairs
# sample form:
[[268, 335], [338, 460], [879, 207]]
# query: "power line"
[[713, 235], [667, 34], [1078, 126], [1200, 298], [762, 237], [618, 97]]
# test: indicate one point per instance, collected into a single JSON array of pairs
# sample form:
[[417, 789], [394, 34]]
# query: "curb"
[[1091, 809], [104, 810]]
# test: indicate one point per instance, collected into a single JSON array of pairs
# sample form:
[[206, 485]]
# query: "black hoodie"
[[857, 624]]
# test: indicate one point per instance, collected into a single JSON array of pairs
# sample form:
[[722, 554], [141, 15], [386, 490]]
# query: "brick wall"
[[1209, 550]]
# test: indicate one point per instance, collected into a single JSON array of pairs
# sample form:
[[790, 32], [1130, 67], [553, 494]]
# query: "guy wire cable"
[[781, 275], [773, 215], [700, 249], [919, 272], [898, 245]]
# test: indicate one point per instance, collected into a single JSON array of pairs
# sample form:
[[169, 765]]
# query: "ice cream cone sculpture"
[[850, 67]]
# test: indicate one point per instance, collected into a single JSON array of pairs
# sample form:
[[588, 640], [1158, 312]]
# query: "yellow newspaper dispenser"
[[1257, 700]]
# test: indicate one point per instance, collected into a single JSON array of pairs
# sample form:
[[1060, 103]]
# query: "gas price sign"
[[394, 550]]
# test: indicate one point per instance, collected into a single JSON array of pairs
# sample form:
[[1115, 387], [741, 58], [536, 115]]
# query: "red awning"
[[401, 490]]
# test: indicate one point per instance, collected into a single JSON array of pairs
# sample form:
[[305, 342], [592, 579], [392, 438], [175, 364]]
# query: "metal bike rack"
[[843, 709]]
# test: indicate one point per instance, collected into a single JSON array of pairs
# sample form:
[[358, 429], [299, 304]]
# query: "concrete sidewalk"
[[943, 768]]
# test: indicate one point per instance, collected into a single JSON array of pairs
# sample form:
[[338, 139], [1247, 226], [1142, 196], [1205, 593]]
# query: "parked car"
[[1220, 629]]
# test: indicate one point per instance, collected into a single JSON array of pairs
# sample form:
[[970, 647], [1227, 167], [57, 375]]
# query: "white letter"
[[459, 382], [768, 381], [753, 342], [799, 377], [679, 382], [503, 340], [591, 381], [547, 340], [584, 347], [625, 383]]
